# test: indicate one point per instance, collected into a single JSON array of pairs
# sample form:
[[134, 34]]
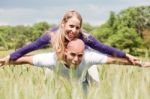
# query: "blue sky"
[[95, 12]]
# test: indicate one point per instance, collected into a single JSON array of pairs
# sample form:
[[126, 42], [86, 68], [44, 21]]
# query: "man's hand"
[[4, 61]]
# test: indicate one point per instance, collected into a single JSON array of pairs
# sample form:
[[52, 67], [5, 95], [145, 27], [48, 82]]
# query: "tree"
[[38, 29], [126, 38], [136, 17], [3, 42], [87, 27]]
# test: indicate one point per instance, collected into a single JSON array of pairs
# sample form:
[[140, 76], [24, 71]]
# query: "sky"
[[28, 12]]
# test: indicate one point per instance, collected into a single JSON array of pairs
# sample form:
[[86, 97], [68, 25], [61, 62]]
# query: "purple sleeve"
[[97, 45], [39, 43]]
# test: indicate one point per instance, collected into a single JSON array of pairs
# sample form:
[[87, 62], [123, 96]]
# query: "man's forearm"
[[115, 60], [23, 60]]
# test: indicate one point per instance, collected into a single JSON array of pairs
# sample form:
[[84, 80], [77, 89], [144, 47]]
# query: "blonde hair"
[[58, 43]]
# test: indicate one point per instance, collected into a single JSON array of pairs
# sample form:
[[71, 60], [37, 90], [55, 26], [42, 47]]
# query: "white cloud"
[[30, 11], [27, 16]]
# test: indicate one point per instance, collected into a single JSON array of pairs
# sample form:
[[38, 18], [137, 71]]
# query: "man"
[[75, 58]]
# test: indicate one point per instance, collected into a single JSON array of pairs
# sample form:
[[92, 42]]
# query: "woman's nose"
[[74, 29]]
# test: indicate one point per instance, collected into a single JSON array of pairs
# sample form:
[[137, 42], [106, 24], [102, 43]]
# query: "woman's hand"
[[5, 60], [132, 59], [144, 63]]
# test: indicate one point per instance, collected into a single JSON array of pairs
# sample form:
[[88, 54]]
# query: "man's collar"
[[65, 64]]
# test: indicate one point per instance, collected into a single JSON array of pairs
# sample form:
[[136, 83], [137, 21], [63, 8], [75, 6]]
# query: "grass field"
[[116, 82]]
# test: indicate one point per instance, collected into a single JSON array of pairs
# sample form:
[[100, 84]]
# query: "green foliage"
[[3, 42], [103, 32], [6, 33], [125, 29], [87, 27], [13, 37], [22, 36], [125, 38], [112, 20], [38, 29], [136, 17], [146, 36]]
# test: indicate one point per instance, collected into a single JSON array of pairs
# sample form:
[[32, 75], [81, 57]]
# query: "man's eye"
[[73, 54], [80, 55]]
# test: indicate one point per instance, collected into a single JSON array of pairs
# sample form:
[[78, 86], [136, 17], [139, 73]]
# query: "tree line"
[[128, 29]]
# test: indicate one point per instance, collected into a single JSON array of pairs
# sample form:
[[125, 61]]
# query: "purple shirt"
[[89, 41]]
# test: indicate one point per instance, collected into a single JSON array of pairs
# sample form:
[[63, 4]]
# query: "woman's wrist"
[[127, 55]]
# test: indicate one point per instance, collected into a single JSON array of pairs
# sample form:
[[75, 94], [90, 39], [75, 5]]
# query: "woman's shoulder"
[[53, 29], [84, 34], [51, 32]]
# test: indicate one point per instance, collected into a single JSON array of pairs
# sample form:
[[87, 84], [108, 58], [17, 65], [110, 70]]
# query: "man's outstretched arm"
[[115, 60], [39, 60], [28, 59], [123, 61], [94, 57], [22, 60]]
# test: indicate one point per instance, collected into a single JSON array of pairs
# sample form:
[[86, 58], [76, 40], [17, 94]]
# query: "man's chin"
[[73, 66]]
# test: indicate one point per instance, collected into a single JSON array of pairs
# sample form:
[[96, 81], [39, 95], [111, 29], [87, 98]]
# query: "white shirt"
[[91, 57]]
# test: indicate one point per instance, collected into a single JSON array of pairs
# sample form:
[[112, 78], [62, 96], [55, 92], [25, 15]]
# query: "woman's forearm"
[[97, 45], [39, 43]]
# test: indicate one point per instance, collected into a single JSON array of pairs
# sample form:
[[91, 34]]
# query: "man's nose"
[[76, 59]]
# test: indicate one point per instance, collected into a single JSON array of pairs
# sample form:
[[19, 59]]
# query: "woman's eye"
[[71, 26], [77, 28]]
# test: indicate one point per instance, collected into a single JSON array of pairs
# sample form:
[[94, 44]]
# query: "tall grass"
[[117, 82]]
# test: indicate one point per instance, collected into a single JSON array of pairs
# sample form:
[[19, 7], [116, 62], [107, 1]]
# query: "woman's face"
[[72, 28]]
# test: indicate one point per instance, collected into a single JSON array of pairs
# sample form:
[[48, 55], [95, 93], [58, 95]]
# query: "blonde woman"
[[69, 28]]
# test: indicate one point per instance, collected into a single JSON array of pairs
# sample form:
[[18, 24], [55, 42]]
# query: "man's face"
[[74, 55]]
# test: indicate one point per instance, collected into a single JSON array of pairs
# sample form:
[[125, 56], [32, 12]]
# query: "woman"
[[69, 29]]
